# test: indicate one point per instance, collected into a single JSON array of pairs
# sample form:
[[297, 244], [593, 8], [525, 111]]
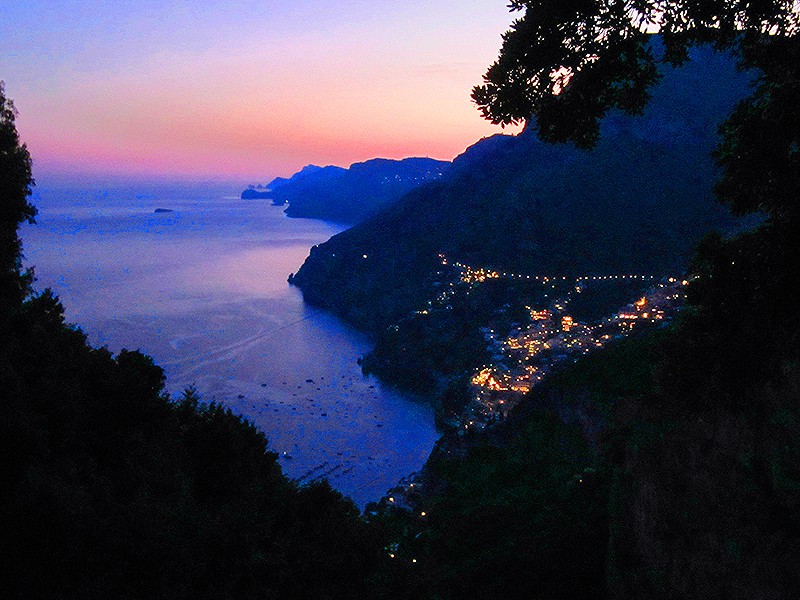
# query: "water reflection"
[[203, 290]]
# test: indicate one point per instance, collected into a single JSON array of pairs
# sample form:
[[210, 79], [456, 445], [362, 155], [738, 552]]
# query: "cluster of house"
[[550, 339]]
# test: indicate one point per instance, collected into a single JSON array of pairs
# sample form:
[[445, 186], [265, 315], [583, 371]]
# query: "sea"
[[201, 286]]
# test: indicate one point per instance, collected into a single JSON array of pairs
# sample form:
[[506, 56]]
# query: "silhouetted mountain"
[[309, 174], [351, 195], [348, 195], [110, 489], [303, 174], [637, 203]]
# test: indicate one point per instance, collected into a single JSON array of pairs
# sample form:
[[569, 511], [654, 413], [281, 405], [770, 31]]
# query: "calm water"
[[203, 290]]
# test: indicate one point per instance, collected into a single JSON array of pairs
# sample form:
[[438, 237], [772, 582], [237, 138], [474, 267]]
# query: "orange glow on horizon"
[[385, 81]]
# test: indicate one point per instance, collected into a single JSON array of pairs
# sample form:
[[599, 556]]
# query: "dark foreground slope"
[[111, 490], [637, 203], [605, 484]]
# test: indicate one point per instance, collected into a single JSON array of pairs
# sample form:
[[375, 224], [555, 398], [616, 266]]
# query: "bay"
[[202, 289]]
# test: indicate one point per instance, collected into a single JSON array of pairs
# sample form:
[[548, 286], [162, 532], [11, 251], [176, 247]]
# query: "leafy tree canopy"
[[15, 188], [565, 63]]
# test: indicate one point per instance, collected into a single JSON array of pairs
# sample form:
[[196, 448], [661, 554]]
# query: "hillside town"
[[551, 337]]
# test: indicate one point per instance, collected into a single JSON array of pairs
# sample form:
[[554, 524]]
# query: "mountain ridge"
[[349, 195], [516, 203]]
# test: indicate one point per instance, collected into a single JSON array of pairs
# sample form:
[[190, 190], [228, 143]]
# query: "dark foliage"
[[667, 467], [15, 188], [706, 469], [527, 520], [111, 490], [564, 65], [695, 487]]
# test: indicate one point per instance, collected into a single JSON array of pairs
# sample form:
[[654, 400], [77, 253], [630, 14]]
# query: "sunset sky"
[[243, 90]]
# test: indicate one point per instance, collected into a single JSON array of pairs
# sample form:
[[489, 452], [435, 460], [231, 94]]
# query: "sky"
[[243, 90]]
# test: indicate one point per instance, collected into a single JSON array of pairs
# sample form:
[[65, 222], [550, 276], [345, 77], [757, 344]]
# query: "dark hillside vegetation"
[[112, 490], [691, 436], [688, 440], [525, 512]]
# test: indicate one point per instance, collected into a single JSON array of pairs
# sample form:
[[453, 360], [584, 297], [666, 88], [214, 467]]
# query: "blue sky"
[[244, 89]]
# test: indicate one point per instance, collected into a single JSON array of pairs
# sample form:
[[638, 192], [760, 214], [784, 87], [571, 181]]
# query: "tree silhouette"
[[564, 65], [582, 57], [15, 188]]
